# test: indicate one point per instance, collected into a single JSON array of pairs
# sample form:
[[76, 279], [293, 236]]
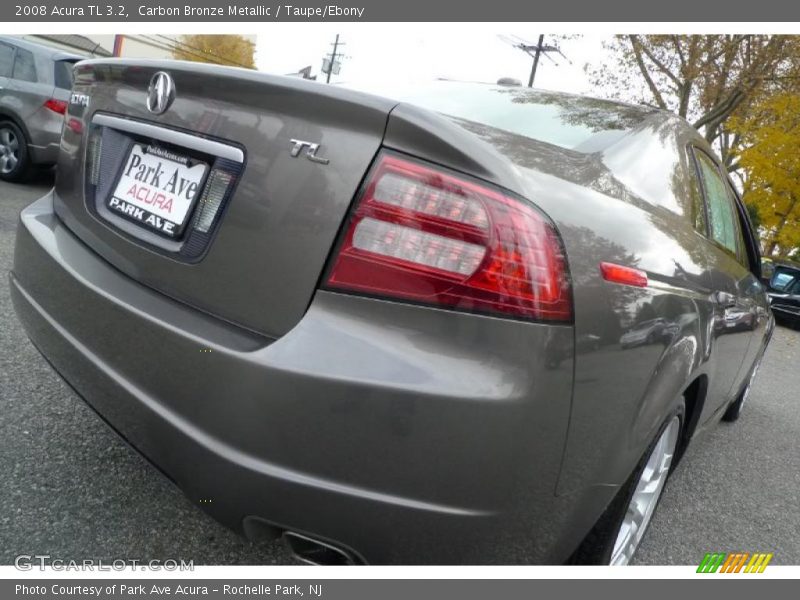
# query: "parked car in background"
[[784, 294], [35, 84], [455, 323]]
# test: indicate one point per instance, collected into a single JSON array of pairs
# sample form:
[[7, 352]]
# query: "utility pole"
[[332, 59], [535, 51], [539, 49]]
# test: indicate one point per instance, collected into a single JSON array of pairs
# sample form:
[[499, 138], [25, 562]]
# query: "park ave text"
[[274, 11]]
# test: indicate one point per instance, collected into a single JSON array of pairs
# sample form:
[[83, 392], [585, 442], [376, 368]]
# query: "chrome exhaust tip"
[[316, 552]]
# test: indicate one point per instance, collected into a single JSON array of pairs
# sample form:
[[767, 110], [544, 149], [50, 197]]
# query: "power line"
[[534, 51], [332, 64], [148, 41]]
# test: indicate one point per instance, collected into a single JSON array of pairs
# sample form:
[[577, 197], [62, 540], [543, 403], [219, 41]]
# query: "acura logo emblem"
[[160, 93]]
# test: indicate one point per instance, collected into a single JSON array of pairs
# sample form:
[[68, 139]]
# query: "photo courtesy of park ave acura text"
[[343, 293]]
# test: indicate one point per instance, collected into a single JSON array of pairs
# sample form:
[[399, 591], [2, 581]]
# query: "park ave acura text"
[[394, 327]]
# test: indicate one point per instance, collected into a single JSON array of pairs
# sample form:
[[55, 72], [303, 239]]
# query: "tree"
[[769, 136], [229, 50], [703, 78]]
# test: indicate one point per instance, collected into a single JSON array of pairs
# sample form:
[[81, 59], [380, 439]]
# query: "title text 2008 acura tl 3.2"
[[464, 324]]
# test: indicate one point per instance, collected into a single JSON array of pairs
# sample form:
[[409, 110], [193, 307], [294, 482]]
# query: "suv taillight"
[[57, 106], [424, 234]]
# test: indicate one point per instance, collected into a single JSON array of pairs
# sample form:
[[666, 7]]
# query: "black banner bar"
[[396, 10], [708, 586]]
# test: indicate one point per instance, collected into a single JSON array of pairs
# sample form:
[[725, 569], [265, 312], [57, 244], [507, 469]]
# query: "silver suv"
[[34, 90]]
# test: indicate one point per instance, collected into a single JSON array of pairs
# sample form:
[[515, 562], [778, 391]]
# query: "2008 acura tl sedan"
[[464, 324]]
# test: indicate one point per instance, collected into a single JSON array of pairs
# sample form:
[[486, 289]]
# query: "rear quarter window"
[[63, 74], [24, 66], [723, 220]]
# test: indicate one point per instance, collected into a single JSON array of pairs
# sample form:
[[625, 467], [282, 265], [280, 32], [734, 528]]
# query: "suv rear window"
[[63, 73]]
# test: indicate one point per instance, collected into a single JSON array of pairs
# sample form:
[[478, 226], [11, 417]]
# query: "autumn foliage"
[[742, 91], [228, 50], [769, 155]]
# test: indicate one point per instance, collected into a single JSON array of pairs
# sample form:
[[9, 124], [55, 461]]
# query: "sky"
[[407, 53]]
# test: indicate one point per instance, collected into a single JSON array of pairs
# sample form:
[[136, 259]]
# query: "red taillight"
[[58, 106], [422, 234], [623, 275], [75, 125]]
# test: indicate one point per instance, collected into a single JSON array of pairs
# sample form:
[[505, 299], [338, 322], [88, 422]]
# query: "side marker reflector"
[[624, 275]]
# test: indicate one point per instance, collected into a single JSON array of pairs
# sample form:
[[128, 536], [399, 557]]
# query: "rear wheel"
[[619, 532], [14, 158]]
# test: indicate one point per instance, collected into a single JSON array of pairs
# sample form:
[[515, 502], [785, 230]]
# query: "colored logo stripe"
[[734, 562], [758, 563], [711, 562]]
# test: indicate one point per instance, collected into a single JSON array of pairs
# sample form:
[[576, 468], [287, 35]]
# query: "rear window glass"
[[572, 122], [24, 67], [63, 75]]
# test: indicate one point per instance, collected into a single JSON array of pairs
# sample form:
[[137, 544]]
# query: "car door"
[[735, 306], [30, 87]]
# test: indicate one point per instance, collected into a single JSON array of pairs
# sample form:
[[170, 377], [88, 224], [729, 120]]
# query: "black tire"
[[734, 411], [15, 159], [597, 547], [736, 407]]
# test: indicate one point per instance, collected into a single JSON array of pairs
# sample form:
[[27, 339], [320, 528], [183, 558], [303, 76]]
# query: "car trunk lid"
[[255, 174]]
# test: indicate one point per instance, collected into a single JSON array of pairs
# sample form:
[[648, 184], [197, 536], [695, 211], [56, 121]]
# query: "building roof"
[[78, 42]]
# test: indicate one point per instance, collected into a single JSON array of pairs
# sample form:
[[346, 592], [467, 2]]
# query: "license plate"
[[157, 189]]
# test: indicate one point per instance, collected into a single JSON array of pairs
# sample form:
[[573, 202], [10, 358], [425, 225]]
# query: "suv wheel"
[[618, 533], [14, 160]]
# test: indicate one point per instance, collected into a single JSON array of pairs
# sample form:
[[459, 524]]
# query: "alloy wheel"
[[646, 495], [9, 150]]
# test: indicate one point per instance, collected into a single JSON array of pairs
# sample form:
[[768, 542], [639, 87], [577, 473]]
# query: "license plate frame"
[[145, 194]]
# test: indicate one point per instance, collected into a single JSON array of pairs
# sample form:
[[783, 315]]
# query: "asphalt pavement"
[[73, 490]]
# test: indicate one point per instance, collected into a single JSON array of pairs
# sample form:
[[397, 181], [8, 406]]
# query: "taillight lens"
[[58, 106], [75, 125], [423, 234]]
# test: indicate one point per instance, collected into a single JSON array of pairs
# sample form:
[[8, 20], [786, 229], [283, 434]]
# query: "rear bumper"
[[44, 155], [405, 434], [45, 136], [786, 314]]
